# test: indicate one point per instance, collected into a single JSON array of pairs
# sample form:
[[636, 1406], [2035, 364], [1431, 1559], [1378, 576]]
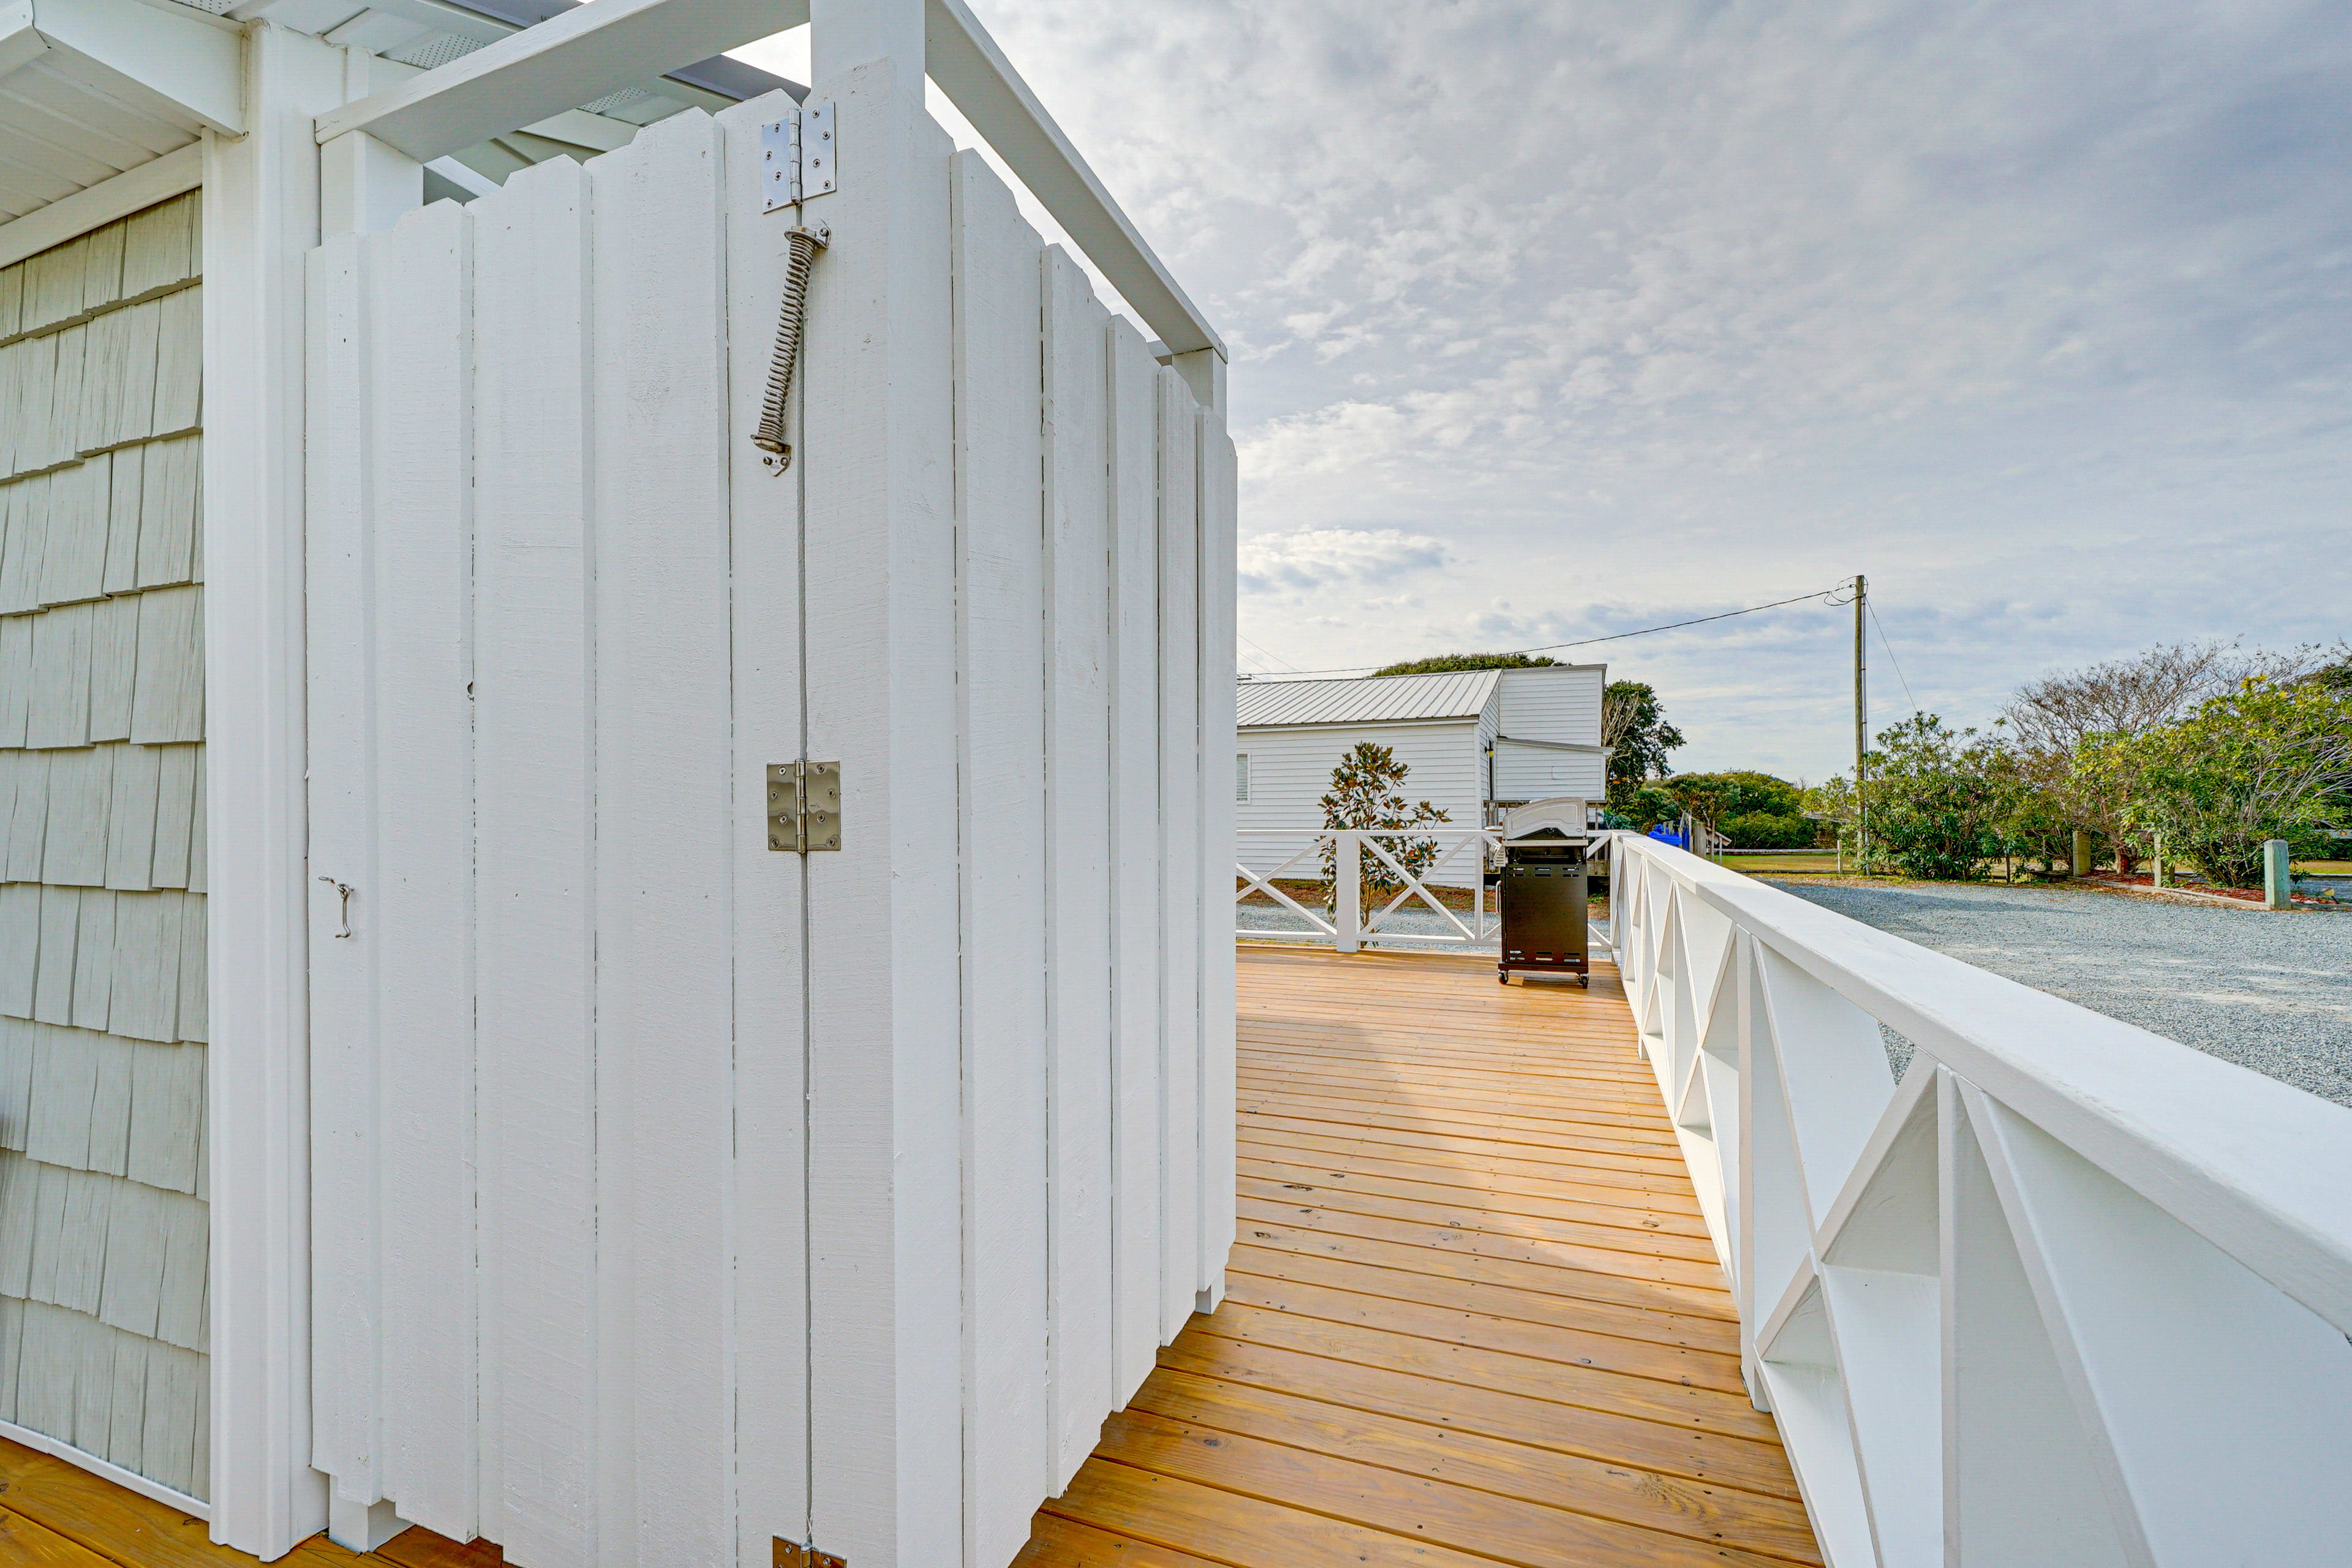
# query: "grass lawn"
[[1780, 860]]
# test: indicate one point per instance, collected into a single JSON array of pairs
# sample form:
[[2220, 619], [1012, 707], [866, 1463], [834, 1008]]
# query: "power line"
[[1588, 642], [1890, 655], [1274, 658]]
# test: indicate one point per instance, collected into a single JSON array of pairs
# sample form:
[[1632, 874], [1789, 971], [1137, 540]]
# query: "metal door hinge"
[[792, 1554], [797, 156], [803, 806]]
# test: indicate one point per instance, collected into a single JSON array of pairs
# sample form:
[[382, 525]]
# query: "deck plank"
[[1473, 1313]]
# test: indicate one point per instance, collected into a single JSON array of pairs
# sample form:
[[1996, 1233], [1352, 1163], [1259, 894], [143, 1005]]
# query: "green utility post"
[[2274, 873], [2156, 863], [2078, 862]]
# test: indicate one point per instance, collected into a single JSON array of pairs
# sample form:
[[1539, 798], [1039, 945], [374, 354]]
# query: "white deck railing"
[[2069, 1293], [1343, 919]]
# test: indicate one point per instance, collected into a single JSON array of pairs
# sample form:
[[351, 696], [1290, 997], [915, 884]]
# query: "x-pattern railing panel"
[[2069, 1293], [1348, 924]]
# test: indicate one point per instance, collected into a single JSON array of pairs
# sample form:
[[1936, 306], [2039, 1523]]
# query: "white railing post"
[[1347, 889]]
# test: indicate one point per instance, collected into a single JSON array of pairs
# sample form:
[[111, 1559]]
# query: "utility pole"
[[1861, 723]]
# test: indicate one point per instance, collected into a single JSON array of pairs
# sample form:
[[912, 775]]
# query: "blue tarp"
[[1663, 837]]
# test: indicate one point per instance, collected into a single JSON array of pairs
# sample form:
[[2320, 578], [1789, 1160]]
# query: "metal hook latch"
[[342, 891]]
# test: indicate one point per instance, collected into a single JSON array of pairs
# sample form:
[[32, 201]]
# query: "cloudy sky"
[[1557, 320]]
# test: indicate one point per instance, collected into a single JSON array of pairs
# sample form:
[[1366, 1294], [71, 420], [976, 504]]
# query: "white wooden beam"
[[973, 72], [567, 61], [134, 190], [261, 215], [183, 69]]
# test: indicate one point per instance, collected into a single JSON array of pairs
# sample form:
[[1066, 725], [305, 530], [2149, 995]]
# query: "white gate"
[[674, 1196]]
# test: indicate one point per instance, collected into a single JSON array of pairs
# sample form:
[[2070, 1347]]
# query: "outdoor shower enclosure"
[[675, 1193], [646, 1002]]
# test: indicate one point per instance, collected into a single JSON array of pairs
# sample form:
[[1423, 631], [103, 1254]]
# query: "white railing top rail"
[[2262, 1170]]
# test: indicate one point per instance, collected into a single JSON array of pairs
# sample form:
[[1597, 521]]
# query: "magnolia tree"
[[1364, 794]]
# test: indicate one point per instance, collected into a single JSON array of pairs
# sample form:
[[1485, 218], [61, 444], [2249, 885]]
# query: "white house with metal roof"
[[1473, 739]]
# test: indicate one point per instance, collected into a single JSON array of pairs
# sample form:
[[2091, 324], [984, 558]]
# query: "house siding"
[[1559, 703], [104, 1232], [1290, 771]]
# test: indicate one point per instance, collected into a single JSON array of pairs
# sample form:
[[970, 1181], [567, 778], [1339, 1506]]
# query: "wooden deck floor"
[[1473, 1319], [55, 1515], [1473, 1315]]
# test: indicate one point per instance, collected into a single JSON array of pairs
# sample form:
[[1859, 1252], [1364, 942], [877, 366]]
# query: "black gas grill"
[[1540, 891]]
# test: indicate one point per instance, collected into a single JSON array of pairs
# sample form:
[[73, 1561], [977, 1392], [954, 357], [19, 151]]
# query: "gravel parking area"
[[2270, 992]]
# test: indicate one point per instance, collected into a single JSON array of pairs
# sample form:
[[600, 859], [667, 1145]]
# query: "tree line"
[[2200, 746]]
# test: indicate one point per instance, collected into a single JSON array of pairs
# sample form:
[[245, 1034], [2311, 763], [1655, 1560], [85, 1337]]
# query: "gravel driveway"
[[2272, 992]]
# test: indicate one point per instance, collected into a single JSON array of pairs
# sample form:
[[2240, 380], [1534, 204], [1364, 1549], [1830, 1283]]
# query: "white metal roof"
[[1369, 699]]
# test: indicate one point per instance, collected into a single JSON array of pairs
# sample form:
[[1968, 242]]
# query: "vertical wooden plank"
[[113, 660], [1140, 1110], [102, 267], [177, 769], [65, 395], [28, 822], [1000, 654], [130, 819], [1180, 845], [107, 347], [346, 1323], [535, 874], [167, 526], [16, 676], [144, 1006], [1217, 854], [80, 786], [20, 564], [884, 1030], [16, 1082], [93, 959], [420, 523], [73, 565], [167, 1107], [20, 946], [133, 408], [60, 919], [36, 363], [64, 1085], [1077, 803], [663, 850], [771, 1258], [179, 380], [59, 714], [123, 489], [167, 698], [109, 1109]]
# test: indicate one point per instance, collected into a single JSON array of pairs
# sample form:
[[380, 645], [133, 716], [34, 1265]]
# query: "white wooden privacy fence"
[[1356, 854], [2069, 1294], [674, 1195]]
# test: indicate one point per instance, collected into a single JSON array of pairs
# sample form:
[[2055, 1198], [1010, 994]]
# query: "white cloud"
[[1630, 313], [1321, 557]]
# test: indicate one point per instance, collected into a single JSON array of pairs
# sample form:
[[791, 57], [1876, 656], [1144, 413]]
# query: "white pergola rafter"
[[187, 70], [581, 54]]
